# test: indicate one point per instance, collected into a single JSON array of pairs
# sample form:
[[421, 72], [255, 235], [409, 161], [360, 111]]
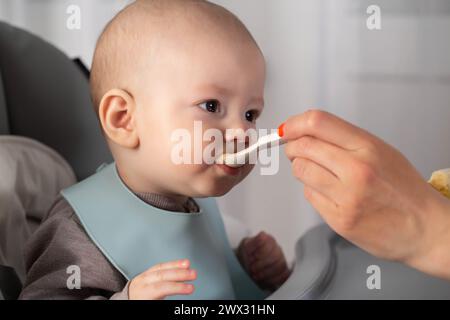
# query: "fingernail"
[[185, 263], [281, 129]]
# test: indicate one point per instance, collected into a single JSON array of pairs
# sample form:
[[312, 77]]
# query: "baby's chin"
[[217, 182], [212, 188]]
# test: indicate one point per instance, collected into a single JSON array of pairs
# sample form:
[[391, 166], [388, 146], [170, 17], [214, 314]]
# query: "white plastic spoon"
[[238, 159]]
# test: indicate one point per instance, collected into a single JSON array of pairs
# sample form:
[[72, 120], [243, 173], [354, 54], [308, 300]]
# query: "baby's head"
[[161, 65]]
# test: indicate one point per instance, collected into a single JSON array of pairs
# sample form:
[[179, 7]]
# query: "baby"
[[142, 228]]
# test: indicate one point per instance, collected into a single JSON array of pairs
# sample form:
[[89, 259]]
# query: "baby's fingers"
[[161, 290], [182, 263], [270, 270], [268, 259], [267, 252], [171, 275], [254, 244]]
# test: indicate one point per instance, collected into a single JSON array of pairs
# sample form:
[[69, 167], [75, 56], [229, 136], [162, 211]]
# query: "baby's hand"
[[263, 259], [162, 280]]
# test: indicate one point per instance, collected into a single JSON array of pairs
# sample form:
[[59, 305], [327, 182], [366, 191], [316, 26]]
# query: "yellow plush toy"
[[440, 180]]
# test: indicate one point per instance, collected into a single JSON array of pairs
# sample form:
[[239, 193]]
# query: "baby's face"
[[219, 83]]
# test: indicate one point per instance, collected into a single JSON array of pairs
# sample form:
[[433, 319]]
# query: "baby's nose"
[[236, 140]]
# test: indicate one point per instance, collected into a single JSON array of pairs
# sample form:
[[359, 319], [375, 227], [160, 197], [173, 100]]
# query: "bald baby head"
[[147, 30]]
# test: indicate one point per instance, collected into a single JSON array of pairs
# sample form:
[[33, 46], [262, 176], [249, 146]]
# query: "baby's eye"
[[210, 106], [251, 115]]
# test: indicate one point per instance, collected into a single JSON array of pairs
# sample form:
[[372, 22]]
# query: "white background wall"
[[394, 82]]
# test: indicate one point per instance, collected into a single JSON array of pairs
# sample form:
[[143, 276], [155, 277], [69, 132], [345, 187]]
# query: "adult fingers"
[[329, 156], [327, 127], [328, 209], [316, 177]]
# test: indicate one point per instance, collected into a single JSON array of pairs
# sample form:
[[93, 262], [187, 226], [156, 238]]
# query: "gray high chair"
[[44, 95]]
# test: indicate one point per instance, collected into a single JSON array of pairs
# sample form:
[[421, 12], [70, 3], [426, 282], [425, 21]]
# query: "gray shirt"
[[61, 242]]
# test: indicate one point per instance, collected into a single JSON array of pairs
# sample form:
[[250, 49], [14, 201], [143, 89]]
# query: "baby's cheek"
[[188, 172]]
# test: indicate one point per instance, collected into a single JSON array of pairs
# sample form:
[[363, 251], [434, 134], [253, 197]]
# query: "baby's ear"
[[116, 113]]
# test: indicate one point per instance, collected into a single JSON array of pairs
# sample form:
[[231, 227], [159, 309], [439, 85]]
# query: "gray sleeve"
[[61, 242], [122, 295]]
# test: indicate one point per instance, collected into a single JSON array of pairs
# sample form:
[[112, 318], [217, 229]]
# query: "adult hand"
[[368, 192]]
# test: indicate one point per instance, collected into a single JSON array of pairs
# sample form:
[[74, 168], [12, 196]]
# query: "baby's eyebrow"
[[259, 101], [215, 89]]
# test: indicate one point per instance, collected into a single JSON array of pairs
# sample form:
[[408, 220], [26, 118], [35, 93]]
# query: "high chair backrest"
[[44, 95]]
